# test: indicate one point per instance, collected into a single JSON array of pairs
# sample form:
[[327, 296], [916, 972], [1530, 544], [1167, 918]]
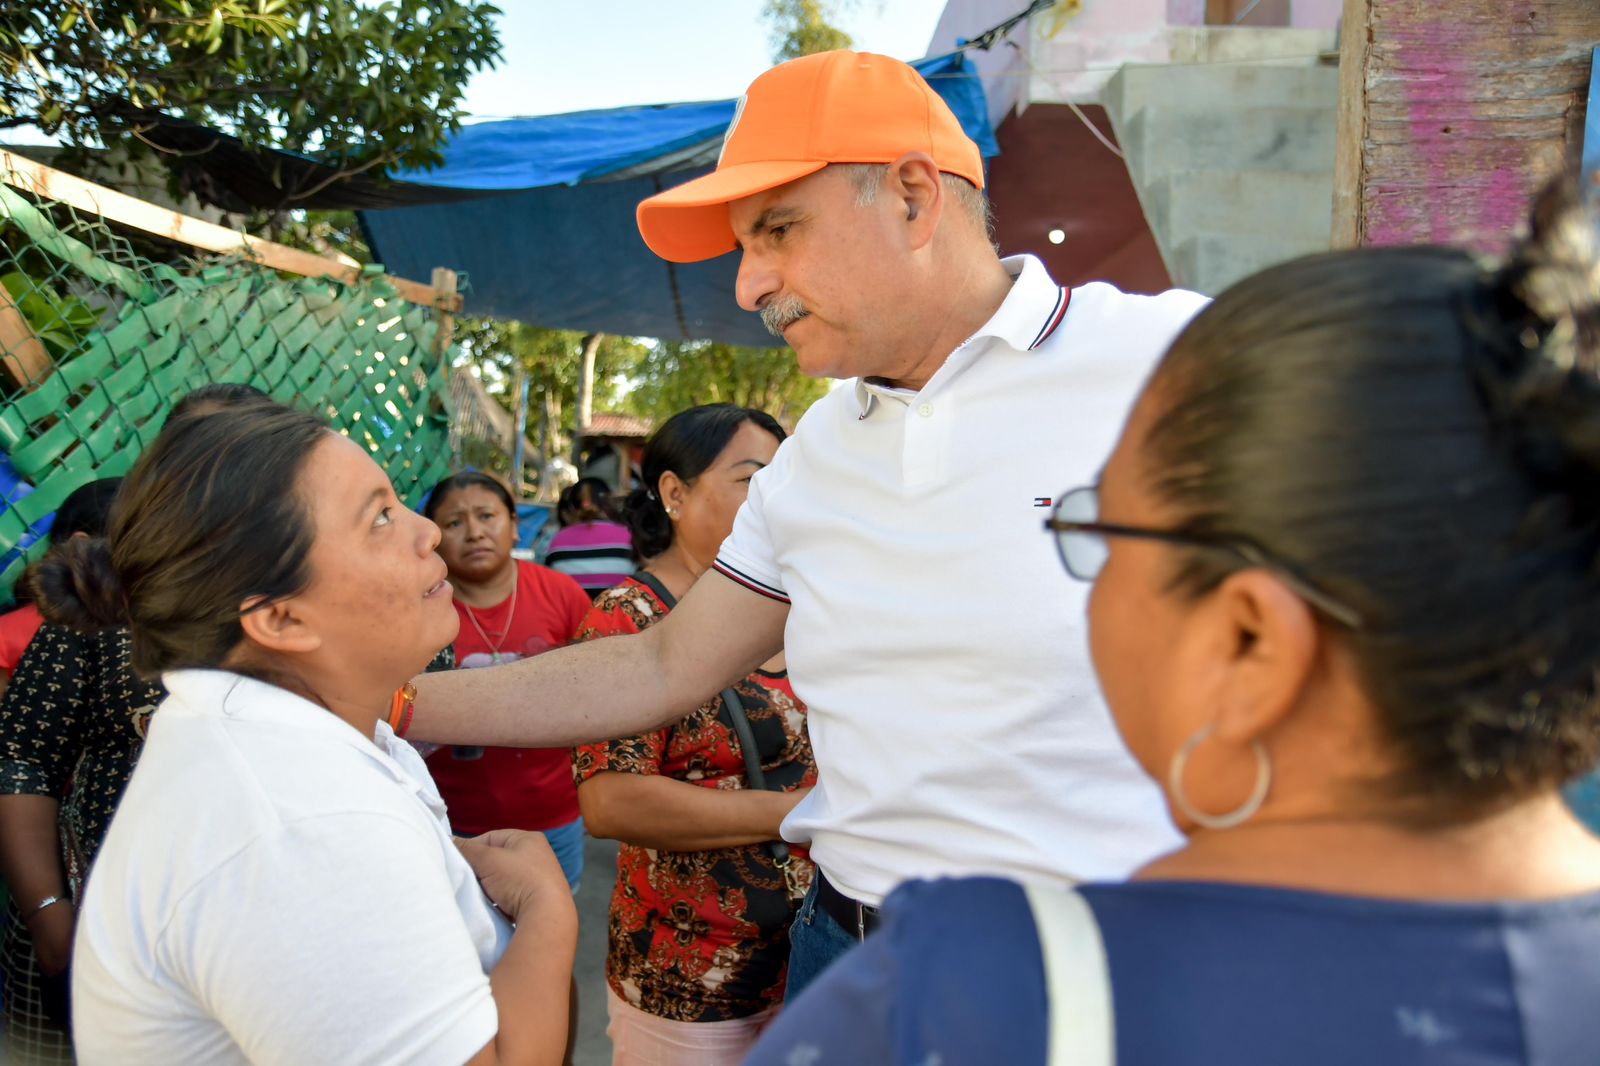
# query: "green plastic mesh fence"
[[97, 343]]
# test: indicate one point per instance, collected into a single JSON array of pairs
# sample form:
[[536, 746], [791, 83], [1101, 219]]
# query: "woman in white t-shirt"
[[280, 884]]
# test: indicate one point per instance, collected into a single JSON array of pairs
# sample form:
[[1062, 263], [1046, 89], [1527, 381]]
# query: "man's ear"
[[914, 182], [277, 626]]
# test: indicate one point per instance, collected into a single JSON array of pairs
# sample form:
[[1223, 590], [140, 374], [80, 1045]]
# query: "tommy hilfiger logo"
[[1042, 501]]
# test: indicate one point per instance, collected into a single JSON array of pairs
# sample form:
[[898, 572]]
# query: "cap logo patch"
[[738, 113]]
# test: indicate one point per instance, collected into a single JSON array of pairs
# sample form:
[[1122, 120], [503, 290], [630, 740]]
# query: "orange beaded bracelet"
[[401, 708]]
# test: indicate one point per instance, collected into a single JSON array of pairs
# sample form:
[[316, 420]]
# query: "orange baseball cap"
[[833, 107]]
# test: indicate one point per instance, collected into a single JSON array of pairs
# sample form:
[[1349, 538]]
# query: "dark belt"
[[855, 917]]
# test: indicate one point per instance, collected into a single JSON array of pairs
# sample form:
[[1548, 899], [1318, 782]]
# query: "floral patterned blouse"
[[72, 723], [701, 936]]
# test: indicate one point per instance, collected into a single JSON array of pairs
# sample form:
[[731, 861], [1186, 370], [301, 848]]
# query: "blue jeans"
[[816, 941], [567, 842]]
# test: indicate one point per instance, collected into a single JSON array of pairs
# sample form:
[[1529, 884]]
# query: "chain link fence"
[[97, 342]]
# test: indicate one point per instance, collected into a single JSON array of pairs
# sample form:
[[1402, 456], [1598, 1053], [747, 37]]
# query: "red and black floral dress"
[[701, 936]]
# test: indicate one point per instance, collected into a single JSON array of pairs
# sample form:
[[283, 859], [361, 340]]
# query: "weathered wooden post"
[[1451, 115]]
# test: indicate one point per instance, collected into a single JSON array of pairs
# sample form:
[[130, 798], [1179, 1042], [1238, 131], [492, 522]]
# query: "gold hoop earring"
[[1239, 815]]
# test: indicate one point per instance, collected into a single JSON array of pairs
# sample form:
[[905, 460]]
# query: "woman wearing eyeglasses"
[[1347, 584]]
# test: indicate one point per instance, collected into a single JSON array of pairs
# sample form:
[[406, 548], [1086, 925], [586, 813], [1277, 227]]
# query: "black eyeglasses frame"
[[1251, 554]]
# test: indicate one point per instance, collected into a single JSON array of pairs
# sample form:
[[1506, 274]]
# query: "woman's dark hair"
[[467, 479], [87, 509], [1418, 433], [686, 444], [210, 517], [587, 501], [217, 396]]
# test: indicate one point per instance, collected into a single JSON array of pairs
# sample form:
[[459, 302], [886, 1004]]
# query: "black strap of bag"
[[734, 717]]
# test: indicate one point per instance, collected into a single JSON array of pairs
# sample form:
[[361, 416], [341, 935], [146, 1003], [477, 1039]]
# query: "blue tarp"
[[528, 153], [558, 247]]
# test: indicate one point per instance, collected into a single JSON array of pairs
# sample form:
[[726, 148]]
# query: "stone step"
[[1221, 87], [1210, 262], [1251, 44], [1281, 204], [1159, 139]]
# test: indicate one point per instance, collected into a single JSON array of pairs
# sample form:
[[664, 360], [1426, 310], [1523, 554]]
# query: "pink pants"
[[640, 1039]]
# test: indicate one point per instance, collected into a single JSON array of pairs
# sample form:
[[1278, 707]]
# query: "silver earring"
[[1237, 816]]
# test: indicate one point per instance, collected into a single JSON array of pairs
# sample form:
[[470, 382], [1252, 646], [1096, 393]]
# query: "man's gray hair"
[[868, 178]]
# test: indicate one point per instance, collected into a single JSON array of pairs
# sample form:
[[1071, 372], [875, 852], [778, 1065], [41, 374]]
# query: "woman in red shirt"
[[699, 928], [509, 610]]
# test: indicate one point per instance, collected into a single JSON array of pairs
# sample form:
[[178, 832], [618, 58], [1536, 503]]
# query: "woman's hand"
[[517, 870]]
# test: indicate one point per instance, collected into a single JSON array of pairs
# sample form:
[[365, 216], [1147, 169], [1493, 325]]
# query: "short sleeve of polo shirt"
[[749, 556]]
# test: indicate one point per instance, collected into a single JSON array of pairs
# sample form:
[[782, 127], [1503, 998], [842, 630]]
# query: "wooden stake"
[[24, 353], [1354, 34], [52, 184], [445, 300]]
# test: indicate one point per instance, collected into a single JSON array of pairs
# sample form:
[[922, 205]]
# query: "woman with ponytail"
[[279, 884], [699, 944], [71, 730], [1346, 559]]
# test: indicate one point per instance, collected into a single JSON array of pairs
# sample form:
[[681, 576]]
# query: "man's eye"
[[778, 231], [383, 518]]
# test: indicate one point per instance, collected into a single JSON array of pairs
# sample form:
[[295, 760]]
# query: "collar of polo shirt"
[[1031, 311]]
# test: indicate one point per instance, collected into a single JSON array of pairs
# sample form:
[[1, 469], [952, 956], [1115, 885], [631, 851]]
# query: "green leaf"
[[69, 20], [336, 55], [16, 283]]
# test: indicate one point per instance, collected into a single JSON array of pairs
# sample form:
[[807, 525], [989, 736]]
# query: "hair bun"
[[1542, 371], [76, 585], [646, 519]]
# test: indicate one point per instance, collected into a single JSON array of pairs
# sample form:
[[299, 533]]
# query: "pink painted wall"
[[1001, 69], [1303, 14], [1315, 14], [1088, 48], [1186, 12]]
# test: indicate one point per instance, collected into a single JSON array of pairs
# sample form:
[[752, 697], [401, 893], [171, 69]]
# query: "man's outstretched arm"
[[607, 688]]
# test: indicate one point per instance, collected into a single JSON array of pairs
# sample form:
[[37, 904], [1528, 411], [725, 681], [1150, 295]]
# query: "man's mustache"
[[781, 313]]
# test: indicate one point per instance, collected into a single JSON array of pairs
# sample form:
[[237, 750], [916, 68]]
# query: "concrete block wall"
[[1231, 150]]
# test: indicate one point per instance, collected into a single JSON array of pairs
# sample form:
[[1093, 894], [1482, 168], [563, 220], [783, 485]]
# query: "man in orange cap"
[[893, 548]]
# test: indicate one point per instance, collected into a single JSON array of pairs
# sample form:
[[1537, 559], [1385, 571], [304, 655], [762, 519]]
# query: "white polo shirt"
[[277, 888], [933, 633]]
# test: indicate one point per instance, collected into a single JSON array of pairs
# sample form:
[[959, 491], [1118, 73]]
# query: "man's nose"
[[757, 282]]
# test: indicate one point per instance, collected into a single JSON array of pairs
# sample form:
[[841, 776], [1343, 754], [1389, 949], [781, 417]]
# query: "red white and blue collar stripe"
[[1057, 313]]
